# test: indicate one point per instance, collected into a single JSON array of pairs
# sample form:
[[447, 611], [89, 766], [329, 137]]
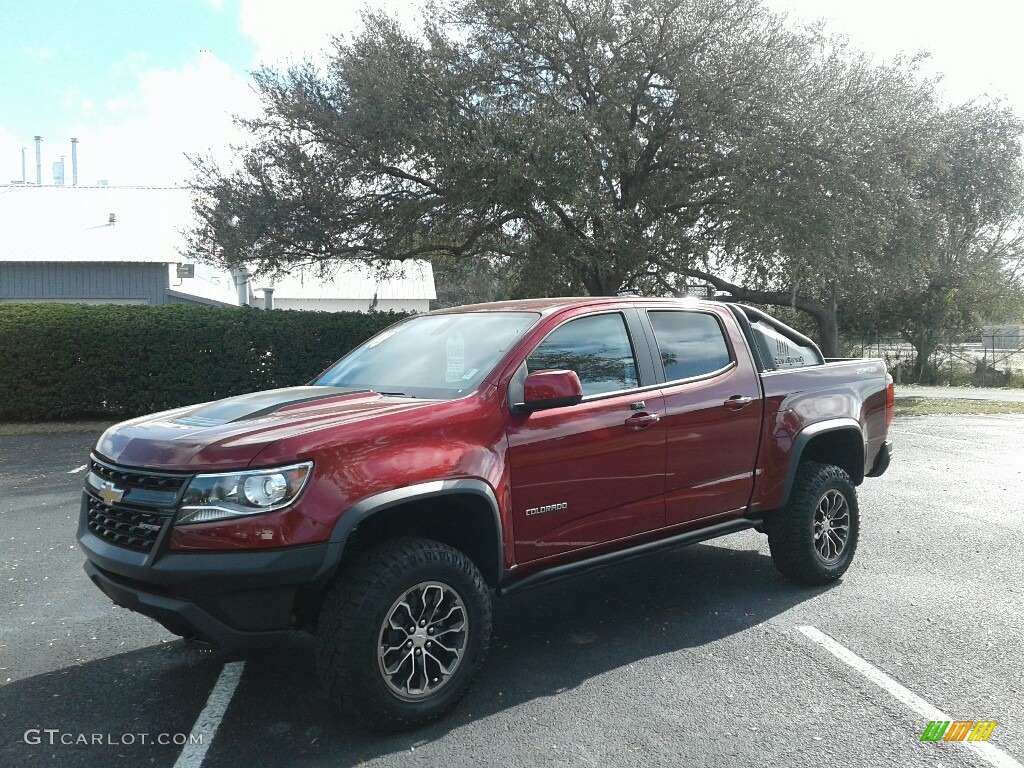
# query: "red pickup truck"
[[479, 451]]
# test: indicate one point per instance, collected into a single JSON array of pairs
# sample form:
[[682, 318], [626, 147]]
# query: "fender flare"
[[805, 436], [432, 489]]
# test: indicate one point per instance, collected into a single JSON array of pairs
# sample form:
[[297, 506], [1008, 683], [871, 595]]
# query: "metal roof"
[[73, 223]]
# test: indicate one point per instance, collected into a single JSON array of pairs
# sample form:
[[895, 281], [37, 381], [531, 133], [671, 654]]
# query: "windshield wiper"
[[396, 394]]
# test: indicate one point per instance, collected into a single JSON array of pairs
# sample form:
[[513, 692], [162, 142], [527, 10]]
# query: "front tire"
[[403, 632], [814, 537]]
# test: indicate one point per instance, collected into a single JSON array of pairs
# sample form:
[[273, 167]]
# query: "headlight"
[[237, 494]]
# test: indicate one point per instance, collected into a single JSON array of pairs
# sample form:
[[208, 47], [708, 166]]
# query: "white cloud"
[[38, 54], [176, 112], [116, 105], [304, 28]]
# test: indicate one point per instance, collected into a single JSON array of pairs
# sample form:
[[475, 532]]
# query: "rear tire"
[[814, 537], [403, 632]]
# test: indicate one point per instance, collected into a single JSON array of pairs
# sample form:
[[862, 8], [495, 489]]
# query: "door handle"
[[736, 402], [642, 421]]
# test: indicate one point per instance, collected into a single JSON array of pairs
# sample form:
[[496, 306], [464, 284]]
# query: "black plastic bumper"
[[232, 599], [882, 459]]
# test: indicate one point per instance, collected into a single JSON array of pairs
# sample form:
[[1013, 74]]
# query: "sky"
[[142, 84]]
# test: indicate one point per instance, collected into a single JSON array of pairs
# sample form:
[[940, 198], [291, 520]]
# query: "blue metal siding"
[[64, 281]]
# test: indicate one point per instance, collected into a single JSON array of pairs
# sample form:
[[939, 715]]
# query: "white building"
[[123, 245]]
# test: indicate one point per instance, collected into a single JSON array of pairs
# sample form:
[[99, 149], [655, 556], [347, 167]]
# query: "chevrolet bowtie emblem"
[[110, 494]]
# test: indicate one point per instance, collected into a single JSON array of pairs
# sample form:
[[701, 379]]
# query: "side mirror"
[[551, 389]]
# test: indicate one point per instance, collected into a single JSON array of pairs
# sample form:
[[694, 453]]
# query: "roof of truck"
[[549, 305]]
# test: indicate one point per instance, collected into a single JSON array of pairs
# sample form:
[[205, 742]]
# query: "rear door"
[[594, 472], [713, 412]]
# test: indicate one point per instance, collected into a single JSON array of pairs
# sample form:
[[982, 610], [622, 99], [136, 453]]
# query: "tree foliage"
[[565, 146], [956, 257]]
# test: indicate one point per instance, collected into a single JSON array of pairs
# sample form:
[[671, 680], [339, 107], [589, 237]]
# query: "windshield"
[[432, 356]]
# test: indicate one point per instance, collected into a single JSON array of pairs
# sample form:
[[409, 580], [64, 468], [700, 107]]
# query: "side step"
[[610, 558]]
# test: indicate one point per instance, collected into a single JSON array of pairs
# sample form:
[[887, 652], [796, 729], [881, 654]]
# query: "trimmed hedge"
[[68, 361]]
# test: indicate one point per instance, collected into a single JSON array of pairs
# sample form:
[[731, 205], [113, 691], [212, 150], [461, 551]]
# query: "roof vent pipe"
[[112, 219], [39, 161], [74, 162], [241, 279], [23, 179]]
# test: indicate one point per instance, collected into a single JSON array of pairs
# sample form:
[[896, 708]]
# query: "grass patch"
[[940, 406], [52, 427]]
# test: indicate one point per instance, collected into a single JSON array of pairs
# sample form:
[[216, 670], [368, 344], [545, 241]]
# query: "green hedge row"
[[68, 361]]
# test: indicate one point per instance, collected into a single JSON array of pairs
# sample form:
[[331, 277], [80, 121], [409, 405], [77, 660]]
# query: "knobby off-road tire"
[[814, 537], [403, 632]]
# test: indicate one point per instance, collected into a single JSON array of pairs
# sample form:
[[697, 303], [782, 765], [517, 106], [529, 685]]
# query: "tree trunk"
[[924, 347], [828, 333], [603, 282]]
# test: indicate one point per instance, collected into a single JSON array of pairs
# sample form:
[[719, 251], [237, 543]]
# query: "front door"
[[594, 472]]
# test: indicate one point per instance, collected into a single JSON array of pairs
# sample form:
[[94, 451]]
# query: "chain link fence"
[[991, 357]]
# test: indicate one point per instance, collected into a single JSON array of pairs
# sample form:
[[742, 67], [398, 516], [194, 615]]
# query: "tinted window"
[[596, 347], [691, 344]]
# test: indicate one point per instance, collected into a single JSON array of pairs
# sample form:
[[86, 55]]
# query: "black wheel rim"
[[422, 640], [831, 526]]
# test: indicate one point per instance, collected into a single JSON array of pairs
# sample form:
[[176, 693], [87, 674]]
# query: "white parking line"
[[192, 755], [992, 754], [76, 471]]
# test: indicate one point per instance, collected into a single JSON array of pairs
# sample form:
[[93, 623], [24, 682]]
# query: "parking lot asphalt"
[[693, 657]]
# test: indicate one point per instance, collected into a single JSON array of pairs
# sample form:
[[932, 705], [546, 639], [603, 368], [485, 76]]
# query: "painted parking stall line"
[[992, 754], [209, 719]]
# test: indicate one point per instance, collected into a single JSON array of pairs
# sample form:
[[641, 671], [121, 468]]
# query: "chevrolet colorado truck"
[[474, 452]]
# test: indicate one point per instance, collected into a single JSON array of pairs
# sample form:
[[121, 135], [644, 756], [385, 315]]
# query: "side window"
[[596, 347], [691, 344]]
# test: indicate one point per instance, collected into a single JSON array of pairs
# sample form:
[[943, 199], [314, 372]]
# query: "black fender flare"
[[431, 489], [805, 436]]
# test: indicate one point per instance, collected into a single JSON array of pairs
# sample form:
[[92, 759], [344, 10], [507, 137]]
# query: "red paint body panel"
[[552, 385], [793, 400], [355, 457], [712, 449], [610, 476]]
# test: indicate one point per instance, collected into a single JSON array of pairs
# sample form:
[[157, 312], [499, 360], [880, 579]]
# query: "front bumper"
[[232, 599]]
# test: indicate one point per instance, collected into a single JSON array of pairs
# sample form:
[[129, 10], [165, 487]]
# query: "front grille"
[[127, 527], [134, 478]]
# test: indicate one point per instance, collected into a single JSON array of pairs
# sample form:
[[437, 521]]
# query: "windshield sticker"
[[470, 374], [455, 357]]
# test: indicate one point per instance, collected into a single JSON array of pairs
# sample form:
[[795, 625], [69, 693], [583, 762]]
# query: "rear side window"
[[596, 347], [691, 344], [781, 352]]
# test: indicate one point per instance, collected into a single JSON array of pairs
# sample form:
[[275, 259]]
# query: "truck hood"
[[229, 433]]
